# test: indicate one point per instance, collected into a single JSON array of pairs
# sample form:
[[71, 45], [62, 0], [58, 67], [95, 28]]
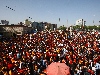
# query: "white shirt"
[[97, 66]]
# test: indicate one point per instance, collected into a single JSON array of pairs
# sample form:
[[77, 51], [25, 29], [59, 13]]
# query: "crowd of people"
[[30, 54]]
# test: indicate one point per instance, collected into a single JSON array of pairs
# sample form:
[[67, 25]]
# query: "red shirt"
[[70, 61], [10, 66]]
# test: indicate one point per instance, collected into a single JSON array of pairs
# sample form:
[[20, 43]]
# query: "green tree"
[[62, 28]]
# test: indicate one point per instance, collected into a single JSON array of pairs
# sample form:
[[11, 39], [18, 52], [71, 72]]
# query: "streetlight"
[[93, 20], [97, 27]]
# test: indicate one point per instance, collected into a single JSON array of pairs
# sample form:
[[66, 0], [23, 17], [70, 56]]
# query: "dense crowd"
[[30, 54]]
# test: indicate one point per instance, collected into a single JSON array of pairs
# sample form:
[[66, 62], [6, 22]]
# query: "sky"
[[50, 11]]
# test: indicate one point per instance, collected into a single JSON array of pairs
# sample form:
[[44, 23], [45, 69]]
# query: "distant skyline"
[[50, 11]]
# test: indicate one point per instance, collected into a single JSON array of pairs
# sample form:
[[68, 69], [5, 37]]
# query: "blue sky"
[[51, 10]]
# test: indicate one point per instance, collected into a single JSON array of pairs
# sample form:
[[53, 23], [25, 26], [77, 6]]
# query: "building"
[[27, 23], [10, 30], [80, 22], [53, 27], [4, 22], [50, 26], [34, 25], [47, 25], [40, 26]]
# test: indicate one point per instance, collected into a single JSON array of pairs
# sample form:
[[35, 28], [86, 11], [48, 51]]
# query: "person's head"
[[43, 73]]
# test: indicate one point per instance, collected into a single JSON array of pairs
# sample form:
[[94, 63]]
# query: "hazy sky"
[[50, 11]]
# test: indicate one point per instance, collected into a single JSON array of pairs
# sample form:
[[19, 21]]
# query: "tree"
[[77, 27], [62, 28]]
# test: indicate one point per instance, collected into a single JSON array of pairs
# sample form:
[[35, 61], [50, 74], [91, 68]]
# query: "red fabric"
[[21, 71], [75, 49], [55, 55], [50, 55], [74, 61], [67, 57], [74, 56], [47, 53], [92, 72], [70, 61], [10, 66], [89, 71], [86, 45]]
